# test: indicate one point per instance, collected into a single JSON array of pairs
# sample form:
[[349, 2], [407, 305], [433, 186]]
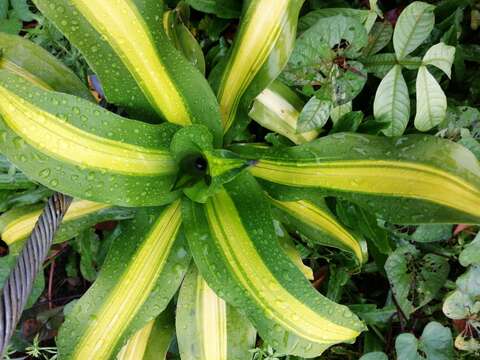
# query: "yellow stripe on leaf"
[[14, 68], [319, 218], [21, 227], [266, 19], [120, 23], [212, 316], [377, 177], [132, 289], [54, 136], [278, 304], [136, 346]]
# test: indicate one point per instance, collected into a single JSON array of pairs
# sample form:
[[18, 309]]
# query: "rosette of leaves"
[[205, 209]]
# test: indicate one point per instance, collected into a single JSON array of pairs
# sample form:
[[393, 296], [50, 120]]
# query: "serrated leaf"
[[441, 56], [392, 103], [412, 28], [431, 101], [314, 115]]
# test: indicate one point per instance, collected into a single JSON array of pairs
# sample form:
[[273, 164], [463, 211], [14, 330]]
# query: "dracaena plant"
[[209, 214]]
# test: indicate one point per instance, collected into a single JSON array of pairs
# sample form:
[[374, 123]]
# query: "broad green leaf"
[[470, 255], [17, 224], [183, 40], [152, 341], [142, 272], [27, 59], [431, 101], [415, 281], [313, 219], [314, 115], [432, 233], [234, 245], [397, 269], [339, 111], [76, 147], [261, 49], [222, 8], [412, 28], [22, 10], [277, 108], [436, 343], [413, 179], [140, 70], [464, 301], [392, 103], [441, 56], [208, 328], [312, 58], [378, 38], [406, 346], [372, 315]]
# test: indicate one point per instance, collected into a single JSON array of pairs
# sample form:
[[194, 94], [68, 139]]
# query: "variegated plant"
[[208, 214]]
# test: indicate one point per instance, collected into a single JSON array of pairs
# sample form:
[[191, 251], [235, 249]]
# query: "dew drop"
[[45, 173]]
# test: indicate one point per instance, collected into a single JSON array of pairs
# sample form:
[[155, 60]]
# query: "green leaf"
[[22, 10], [432, 233], [313, 53], [4, 9], [378, 38], [29, 60], [412, 28], [183, 39], [415, 280], [17, 224], [87, 245], [441, 56], [436, 343], [406, 346], [376, 355], [108, 162], [431, 101], [208, 328], [399, 277], [372, 315], [153, 340], [312, 218], [138, 67], [234, 245], [278, 108], [420, 175], [142, 272], [11, 26], [392, 103], [261, 49], [470, 255], [314, 115]]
